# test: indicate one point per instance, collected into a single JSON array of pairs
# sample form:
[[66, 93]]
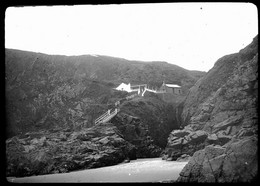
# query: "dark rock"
[[222, 104], [184, 141], [50, 154], [231, 121], [235, 163], [184, 157], [133, 131], [222, 138]]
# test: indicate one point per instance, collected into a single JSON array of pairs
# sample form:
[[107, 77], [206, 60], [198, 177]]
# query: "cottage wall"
[[162, 88], [177, 91], [169, 90]]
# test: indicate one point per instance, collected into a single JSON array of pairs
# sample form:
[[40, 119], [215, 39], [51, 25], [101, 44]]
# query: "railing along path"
[[109, 115]]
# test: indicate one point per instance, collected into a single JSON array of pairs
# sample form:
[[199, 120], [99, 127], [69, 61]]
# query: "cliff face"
[[49, 152], [59, 151], [225, 73], [157, 116], [52, 102], [48, 91], [220, 113]]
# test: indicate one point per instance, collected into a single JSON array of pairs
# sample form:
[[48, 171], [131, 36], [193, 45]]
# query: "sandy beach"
[[140, 170]]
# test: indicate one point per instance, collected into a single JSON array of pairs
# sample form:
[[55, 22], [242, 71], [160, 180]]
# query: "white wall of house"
[[124, 87]]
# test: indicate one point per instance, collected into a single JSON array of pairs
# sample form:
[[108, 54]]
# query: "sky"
[[191, 35]]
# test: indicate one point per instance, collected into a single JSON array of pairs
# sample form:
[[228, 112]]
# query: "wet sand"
[[140, 170]]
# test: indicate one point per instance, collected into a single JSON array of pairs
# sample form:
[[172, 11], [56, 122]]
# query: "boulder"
[[184, 157], [237, 162], [184, 141], [212, 139]]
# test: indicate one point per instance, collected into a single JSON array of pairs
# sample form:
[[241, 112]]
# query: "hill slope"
[[53, 91]]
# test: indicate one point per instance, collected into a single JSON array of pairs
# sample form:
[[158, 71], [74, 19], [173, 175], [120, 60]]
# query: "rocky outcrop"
[[49, 93], [236, 162], [136, 132], [157, 117], [53, 91], [184, 142], [184, 157], [58, 151], [222, 108], [229, 85], [66, 150]]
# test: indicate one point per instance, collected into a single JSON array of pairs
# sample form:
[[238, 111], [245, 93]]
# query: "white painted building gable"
[[124, 87]]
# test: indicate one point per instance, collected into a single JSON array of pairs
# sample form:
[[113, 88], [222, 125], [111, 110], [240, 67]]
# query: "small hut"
[[171, 88]]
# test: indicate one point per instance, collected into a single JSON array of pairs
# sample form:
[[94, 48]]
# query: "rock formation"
[[59, 151], [136, 132], [234, 162], [219, 116], [53, 91], [52, 102], [47, 152], [157, 116]]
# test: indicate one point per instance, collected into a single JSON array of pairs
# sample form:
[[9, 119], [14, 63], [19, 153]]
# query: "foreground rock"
[[184, 142], [235, 162], [45, 152], [64, 151], [220, 113]]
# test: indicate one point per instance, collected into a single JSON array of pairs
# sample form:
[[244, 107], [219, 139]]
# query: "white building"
[[133, 88], [171, 88], [124, 87]]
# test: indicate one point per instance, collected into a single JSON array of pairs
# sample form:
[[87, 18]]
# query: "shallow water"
[[140, 170]]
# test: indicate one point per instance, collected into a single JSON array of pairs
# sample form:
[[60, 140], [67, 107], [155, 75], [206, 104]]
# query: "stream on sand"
[[140, 170]]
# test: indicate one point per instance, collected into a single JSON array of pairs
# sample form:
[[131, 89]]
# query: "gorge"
[[52, 102]]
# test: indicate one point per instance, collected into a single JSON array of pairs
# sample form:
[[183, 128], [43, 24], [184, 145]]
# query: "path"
[[108, 115], [141, 170], [105, 117]]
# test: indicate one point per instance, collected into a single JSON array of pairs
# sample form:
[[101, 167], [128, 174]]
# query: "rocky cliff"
[[157, 116], [219, 121], [51, 91], [46, 152], [136, 132], [59, 151], [52, 101]]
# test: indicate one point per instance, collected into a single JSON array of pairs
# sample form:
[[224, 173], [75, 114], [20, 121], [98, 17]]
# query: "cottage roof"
[[172, 85]]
